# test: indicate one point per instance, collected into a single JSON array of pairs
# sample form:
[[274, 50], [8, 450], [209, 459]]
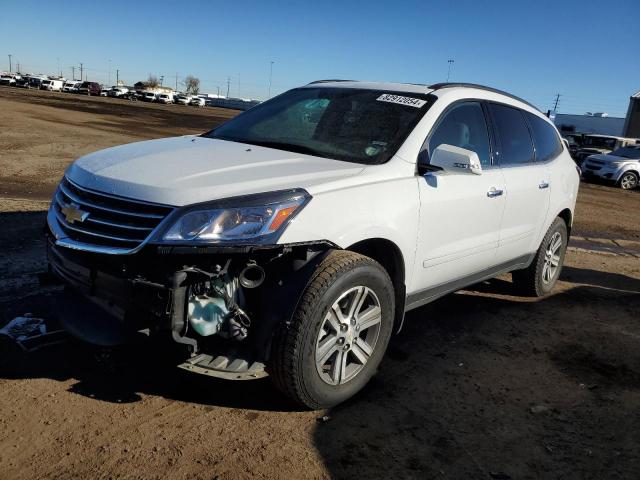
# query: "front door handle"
[[494, 192], [543, 184]]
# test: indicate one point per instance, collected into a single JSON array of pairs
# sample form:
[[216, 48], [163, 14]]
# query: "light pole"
[[270, 76], [9, 63], [450, 62]]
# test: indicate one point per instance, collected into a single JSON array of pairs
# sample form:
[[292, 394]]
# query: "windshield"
[[599, 142], [627, 152], [354, 125]]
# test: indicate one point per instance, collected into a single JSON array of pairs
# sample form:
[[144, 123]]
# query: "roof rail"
[[329, 81], [438, 86]]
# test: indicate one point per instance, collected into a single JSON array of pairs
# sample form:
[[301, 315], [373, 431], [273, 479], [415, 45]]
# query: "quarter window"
[[515, 141], [545, 138], [463, 126]]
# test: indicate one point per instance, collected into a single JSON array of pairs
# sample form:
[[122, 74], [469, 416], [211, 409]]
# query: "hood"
[[181, 171], [608, 158]]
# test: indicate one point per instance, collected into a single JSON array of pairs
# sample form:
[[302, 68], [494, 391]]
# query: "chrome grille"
[[111, 221]]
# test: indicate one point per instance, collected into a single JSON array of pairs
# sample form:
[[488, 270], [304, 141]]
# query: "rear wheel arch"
[[567, 216]]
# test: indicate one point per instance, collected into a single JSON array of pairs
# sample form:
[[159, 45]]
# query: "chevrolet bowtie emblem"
[[72, 213]]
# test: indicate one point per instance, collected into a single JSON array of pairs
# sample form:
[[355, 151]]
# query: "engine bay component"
[[252, 275], [206, 314], [213, 305]]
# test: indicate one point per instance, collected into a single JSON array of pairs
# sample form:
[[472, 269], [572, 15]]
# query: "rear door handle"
[[543, 184], [494, 192]]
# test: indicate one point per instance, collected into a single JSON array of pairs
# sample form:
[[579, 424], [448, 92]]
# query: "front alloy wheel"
[[338, 334], [348, 335], [629, 181]]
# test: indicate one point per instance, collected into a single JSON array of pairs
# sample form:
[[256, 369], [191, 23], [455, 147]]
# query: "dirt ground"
[[481, 384]]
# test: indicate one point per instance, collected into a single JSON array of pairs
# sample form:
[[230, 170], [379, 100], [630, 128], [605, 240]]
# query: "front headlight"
[[252, 218]]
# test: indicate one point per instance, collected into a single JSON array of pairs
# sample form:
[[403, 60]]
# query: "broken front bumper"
[[111, 298]]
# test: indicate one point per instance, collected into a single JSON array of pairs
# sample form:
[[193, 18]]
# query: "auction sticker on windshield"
[[412, 102]]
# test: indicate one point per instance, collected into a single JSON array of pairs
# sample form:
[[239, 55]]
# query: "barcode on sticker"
[[400, 100]]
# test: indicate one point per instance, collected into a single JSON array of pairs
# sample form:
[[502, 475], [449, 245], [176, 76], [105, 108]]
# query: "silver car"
[[622, 167]]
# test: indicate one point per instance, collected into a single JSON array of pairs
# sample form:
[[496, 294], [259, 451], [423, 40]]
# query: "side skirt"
[[418, 299]]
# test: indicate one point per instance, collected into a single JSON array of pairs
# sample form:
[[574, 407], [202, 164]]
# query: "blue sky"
[[583, 50]]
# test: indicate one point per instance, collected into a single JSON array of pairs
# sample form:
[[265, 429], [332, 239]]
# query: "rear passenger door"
[[527, 183]]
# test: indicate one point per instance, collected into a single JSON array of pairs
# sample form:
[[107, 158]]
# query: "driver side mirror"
[[453, 159]]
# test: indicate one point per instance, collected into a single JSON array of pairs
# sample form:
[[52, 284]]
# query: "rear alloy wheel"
[[629, 181], [338, 334], [541, 276]]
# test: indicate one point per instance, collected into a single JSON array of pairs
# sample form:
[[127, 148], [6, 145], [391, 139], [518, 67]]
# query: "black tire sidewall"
[[557, 226], [377, 280]]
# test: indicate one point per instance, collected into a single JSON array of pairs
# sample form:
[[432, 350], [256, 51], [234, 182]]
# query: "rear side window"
[[515, 141], [545, 138], [463, 126]]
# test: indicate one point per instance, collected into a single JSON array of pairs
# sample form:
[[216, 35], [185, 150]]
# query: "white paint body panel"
[[444, 232]]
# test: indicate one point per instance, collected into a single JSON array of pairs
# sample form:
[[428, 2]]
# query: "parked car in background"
[[89, 88], [620, 167], [71, 86], [131, 95], [149, 96], [52, 85], [184, 99], [165, 98], [575, 142], [593, 144], [22, 82], [104, 91], [7, 79], [33, 82], [197, 102], [118, 91], [291, 240]]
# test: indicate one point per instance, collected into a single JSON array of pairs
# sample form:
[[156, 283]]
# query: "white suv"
[[292, 239]]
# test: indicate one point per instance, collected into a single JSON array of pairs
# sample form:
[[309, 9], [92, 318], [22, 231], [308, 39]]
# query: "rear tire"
[[541, 276], [338, 334]]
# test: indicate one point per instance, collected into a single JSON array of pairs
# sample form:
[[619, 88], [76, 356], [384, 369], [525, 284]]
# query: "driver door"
[[460, 213]]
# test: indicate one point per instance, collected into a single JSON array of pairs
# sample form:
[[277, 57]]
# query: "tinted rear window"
[[545, 138], [515, 141]]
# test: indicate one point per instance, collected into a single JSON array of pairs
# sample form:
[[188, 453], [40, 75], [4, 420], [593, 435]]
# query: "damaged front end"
[[210, 276], [221, 305]]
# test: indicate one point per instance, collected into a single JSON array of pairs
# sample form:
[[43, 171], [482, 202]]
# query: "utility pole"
[[228, 84], [161, 79], [176, 81], [73, 73], [450, 62], [218, 91], [270, 76], [9, 63], [81, 72], [117, 77], [555, 106]]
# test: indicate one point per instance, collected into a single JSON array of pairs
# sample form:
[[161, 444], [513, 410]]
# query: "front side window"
[[463, 126], [350, 124], [545, 138], [516, 146]]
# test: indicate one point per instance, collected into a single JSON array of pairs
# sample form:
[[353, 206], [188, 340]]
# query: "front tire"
[[338, 334], [629, 181], [541, 276]]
